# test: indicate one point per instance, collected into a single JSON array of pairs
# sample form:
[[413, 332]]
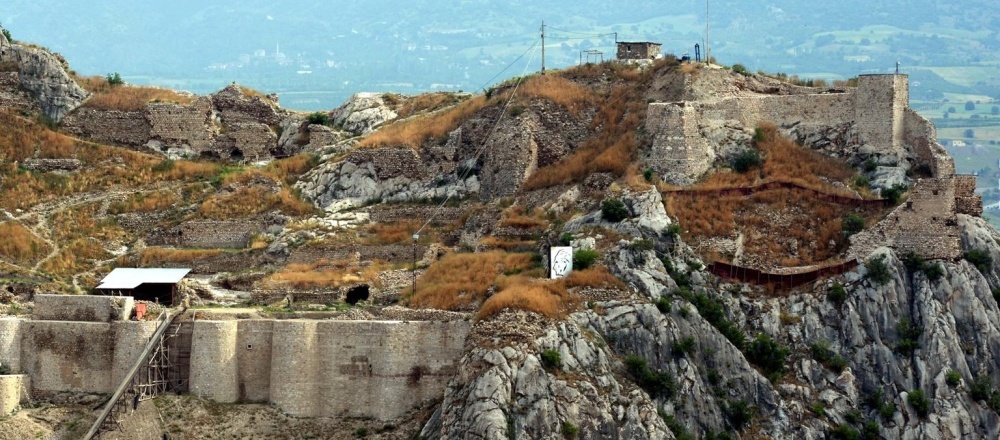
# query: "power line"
[[482, 148], [483, 87]]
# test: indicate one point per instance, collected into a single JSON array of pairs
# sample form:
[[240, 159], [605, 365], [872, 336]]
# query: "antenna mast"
[[543, 47]]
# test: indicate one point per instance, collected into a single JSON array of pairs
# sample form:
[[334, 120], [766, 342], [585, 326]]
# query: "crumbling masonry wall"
[[308, 368], [206, 234]]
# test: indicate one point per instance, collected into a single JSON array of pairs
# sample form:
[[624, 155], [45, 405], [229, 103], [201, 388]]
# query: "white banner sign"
[[560, 261]]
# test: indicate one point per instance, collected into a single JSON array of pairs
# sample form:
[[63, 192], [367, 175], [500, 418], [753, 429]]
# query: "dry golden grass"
[[424, 102], [413, 133], [253, 200], [595, 276], [322, 275], [392, 233], [517, 217], [785, 161], [289, 169], [460, 281], [18, 245], [20, 140], [145, 202], [78, 256], [610, 149], [133, 98], [82, 221], [543, 297], [559, 90], [155, 256]]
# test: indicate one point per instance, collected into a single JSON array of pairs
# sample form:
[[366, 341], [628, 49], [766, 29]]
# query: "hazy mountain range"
[[314, 54]]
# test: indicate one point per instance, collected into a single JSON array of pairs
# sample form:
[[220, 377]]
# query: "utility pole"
[[543, 47], [413, 288], [708, 50]]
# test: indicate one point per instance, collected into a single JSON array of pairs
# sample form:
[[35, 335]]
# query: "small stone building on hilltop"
[[641, 50]]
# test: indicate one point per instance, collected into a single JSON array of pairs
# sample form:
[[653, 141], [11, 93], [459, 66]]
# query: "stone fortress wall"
[[326, 368], [232, 124], [879, 111], [308, 368]]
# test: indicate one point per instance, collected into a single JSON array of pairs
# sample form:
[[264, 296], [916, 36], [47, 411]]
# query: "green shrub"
[[657, 383], [648, 174], [584, 258], [663, 304], [684, 346], [818, 409], [738, 414], [566, 239], [893, 194], [933, 271], [741, 69], [6, 35], [673, 230], [837, 294], [878, 270], [613, 210], [981, 259], [679, 430], [844, 431], [853, 417], [643, 245], [822, 353], [870, 165], [551, 359], [713, 312], [164, 166], [981, 389], [4, 369], [953, 378], [852, 224], [919, 402], [768, 355], [862, 182], [877, 401], [870, 430], [909, 335], [747, 159], [318, 118], [570, 431], [114, 79]]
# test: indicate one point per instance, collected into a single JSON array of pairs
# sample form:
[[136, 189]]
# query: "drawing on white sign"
[[560, 261]]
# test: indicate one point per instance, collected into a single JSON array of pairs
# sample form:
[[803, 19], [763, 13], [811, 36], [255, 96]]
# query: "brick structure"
[[638, 50]]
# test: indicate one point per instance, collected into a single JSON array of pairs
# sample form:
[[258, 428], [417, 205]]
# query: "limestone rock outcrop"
[[43, 75], [362, 113]]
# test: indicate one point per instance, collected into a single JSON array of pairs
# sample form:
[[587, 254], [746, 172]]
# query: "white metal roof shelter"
[[125, 278]]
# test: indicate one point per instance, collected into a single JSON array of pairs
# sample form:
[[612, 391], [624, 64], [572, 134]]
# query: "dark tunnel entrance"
[[357, 294]]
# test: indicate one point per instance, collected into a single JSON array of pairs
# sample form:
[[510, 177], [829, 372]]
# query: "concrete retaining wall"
[[253, 355], [15, 389]]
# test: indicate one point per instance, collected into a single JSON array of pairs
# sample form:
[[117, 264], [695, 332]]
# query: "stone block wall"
[[130, 339], [214, 361], [85, 308], [11, 93], [68, 356], [11, 335], [390, 162], [920, 138], [176, 125], [881, 102], [678, 148], [206, 234], [246, 140], [15, 389], [966, 199], [327, 368], [128, 129]]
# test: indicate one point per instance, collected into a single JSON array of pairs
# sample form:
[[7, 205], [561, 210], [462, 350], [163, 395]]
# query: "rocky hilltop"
[[752, 258]]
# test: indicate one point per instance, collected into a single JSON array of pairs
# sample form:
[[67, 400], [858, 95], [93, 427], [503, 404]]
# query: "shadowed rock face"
[[44, 76]]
